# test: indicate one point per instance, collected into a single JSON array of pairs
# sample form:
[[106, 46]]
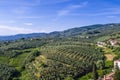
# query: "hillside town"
[[114, 43]]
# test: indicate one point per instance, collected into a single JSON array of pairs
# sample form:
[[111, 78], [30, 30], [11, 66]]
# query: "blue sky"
[[29, 16]]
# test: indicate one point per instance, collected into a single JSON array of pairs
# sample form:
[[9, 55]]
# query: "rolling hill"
[[91, 30], [58, 55]]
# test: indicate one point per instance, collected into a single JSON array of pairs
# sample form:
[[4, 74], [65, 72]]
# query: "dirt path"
[[109, 54]]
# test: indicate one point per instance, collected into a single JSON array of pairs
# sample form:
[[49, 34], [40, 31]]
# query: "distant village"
[[114, 43]]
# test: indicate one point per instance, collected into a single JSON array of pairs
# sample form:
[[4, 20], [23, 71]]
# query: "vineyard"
[[60, 60], [69, 55]]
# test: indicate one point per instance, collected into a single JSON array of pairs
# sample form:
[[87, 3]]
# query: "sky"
[[35, 16]]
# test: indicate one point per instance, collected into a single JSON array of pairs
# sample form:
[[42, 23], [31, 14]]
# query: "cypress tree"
[[95, 73]]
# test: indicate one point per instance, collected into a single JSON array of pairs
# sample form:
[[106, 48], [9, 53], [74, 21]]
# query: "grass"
[[109, 54], [25, 75], [88, 76], [4, 59], [108, 64], [18, 61], [104, 38]]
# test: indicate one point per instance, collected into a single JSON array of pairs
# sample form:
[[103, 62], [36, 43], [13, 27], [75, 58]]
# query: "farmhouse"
[[117, 62], [101, 44], [113, 42]]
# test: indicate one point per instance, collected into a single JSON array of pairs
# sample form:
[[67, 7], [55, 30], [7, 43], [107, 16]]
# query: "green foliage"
[[103, 38], [4, 59], [12, 49], [109, 64], [18, 61], [30, 57], [87, 77], [117, 51], [59, 60], [95, 73], [25, 76], [117, 73], [69, 78], [68, 56], [6, 72], [100, 64]]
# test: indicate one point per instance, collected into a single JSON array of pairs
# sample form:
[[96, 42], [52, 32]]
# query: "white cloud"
[[111, 17], [10, 30], [67, 10], [31, 2], [28, 24], [103, 12], [7, 21], [11, 21], [71, 8], [30, 17], [20, 10], [23, 7]]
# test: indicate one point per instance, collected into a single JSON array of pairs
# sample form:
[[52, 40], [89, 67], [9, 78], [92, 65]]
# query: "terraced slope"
[[56, 62]]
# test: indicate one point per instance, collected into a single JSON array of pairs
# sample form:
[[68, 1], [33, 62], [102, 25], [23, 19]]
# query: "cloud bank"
[[10, 30]]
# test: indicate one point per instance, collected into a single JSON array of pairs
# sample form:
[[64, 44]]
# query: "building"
[[109, 77], [117, 62], [113, 42], [101, 44]]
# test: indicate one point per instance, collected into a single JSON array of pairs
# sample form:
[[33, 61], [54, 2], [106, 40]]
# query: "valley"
[[72, 54]]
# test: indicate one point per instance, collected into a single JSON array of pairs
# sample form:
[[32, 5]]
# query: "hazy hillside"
[[92, 30], [66, 55], [14, 37]]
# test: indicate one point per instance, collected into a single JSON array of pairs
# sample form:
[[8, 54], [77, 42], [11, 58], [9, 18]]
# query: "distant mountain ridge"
[[19, 36], [97, 29]]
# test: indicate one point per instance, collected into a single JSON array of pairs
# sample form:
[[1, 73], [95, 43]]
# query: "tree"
[[100, 64], [68, 78], [95, 73], [117, 73]]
